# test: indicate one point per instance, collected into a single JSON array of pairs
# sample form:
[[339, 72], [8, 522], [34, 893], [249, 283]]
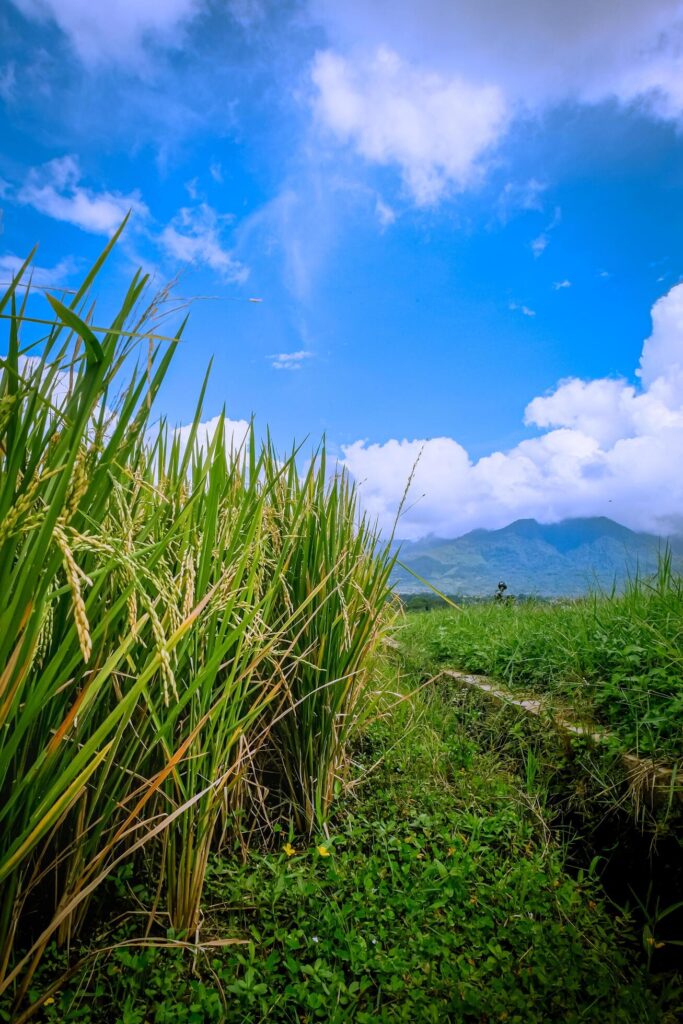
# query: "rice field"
[[223, 795]]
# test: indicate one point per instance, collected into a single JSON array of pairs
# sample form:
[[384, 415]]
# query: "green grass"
[[616, 659], [444, 897]]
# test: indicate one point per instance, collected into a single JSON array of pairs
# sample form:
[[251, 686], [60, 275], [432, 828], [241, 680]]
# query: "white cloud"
[[195, 236], [235, 432], [661, 362], [55, 189], [539, 245], [41, 277], [559, 285], [117, 32], [290, 360], [535, 51], [298, 226], [191, 187], [435, 128], [524, 310], [607, 447], [432, 87], [385, 214], [520, 196]]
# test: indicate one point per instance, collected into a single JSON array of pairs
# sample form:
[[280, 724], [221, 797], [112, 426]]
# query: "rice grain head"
[[73, 576]]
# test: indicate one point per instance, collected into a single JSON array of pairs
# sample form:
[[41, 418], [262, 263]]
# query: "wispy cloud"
[[558, 285], [119, 35], [8, 81], [41, 277], [195, 236], [519, 307], [541, 242], [385, 214], [56, 190], [516, 197], [290, 360]]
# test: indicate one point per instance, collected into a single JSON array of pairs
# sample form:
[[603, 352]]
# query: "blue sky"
[[451, 212]]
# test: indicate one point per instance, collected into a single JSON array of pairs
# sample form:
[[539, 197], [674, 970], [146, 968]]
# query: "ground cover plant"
[[616, 659], [440, 894]]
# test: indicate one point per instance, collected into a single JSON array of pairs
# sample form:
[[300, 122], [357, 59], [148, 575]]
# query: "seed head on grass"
[[73, 576]]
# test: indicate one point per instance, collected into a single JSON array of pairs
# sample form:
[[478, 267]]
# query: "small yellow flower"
[[49, 1001], [323, 851], [288, 849]]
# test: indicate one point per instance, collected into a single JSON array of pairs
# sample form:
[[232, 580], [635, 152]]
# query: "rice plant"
[[180, 625]]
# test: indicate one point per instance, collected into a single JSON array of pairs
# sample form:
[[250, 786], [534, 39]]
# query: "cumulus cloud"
[[235, 432], [195, 236], [607, 447], [432, 87], [434, 127], [56, 190], [290, 360]]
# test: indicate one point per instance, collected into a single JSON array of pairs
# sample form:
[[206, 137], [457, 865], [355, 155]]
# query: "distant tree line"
[[428, 602]]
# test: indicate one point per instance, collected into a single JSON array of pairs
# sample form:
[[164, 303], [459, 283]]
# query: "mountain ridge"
[[564, 559]]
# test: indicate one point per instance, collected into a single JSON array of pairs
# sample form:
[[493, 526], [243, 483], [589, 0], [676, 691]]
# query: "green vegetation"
[[614, 659], [220, 798], [443, 897], [185, 634]]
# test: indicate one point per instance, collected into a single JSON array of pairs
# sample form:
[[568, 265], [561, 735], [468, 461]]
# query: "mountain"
[[557, 560]]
